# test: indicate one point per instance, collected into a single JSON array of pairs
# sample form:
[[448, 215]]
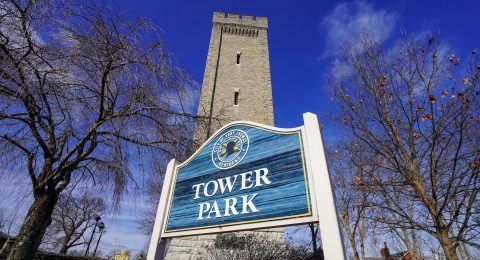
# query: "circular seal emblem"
[[230, 149]]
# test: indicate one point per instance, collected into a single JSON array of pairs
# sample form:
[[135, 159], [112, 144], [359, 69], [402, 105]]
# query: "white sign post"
[[154, 252], [301, 166], [329, 226]]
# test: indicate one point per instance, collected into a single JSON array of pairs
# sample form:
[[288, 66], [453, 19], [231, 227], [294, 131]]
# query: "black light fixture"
[[97, 218], [100, 226]]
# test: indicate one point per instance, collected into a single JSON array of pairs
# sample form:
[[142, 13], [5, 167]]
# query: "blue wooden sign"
[[245, 173], [250, 176]]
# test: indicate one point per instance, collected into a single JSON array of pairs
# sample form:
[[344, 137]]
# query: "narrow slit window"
[[238, 57], [235, 99]]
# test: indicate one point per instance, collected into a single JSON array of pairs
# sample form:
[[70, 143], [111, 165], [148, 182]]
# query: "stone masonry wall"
[[251, 78]]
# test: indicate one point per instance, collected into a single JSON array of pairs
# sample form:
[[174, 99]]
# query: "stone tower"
[[236, 86]]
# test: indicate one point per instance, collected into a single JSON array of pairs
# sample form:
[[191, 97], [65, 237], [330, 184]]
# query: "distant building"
[[122, 256]]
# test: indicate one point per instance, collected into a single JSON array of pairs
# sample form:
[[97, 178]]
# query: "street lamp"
[[97, 218], [100, 226]]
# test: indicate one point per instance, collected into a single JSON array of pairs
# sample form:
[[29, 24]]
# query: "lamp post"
[[100, 226], [97, 218]]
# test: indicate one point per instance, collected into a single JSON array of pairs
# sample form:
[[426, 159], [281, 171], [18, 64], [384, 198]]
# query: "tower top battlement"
[[243, 20]]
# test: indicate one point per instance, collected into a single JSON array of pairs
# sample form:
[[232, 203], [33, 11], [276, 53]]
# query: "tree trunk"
[[38, 218], [447, 245], [356, 256], [351, 238], [411, 245], [464, 252], [362, 250], [415, 253], [314, 240], [361, 233], [64, 248]]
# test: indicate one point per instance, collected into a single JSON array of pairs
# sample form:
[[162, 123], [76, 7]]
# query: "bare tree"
[[71, 219], [316, 241], [7, 221], [141, 255], [352, 197], [356, 201], [154, 189], [2, 219], [255, 247], [83, 88], [414, 112], [306, 238]]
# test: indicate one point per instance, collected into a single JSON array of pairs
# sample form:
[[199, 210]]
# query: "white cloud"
[[348, 21]]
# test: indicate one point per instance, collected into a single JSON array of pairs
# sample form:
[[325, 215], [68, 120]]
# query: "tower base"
[[210, 246]]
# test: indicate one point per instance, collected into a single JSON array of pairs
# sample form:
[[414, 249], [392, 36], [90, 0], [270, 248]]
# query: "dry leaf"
[[444, 94]]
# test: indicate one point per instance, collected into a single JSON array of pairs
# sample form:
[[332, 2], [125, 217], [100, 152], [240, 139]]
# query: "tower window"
[[235, 98], [238, 57]]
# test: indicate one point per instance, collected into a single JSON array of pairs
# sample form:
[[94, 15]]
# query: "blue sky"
[[304, 39]]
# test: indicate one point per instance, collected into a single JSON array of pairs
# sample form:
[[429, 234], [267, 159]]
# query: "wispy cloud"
[[348, 21]]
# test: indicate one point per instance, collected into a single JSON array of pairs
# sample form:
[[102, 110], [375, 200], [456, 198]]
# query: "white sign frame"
[[321, 194]]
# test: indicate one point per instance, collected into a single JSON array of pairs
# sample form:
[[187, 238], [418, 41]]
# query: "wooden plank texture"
[[287, 196]]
